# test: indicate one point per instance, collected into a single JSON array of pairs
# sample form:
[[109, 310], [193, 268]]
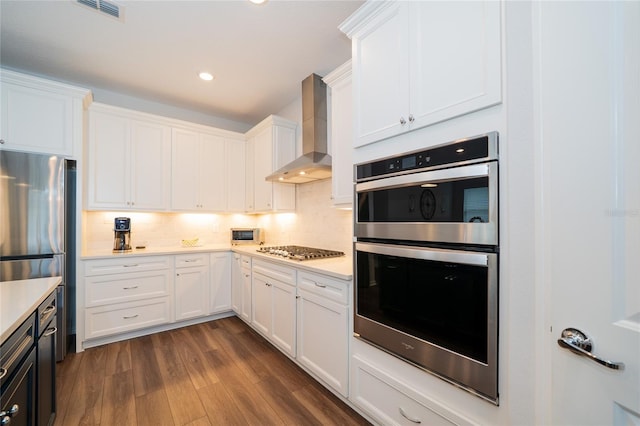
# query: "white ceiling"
[[258, 54]]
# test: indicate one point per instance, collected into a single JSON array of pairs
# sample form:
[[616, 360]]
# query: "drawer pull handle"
[[47, 312], [3, 372], [26, 342], [133, 265], [50, 331], [320, 285], [406, 416], [190, 260], [130, 316], [130, 288]]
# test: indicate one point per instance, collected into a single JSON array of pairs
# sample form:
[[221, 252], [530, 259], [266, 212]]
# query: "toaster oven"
[[247, 236]]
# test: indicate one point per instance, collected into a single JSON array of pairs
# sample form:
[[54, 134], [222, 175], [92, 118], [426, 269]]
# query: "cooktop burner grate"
[[300, 252]]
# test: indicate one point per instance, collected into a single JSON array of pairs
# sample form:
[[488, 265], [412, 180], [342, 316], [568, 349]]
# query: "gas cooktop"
[[299, 252]]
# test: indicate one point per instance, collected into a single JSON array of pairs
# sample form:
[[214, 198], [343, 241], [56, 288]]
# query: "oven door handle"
[[428, 253], [455, 173]]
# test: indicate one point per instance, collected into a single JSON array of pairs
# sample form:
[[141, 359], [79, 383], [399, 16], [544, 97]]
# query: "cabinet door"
[[185, 170], [109, 162], [192, 292], [213, 173], [247, 296], [46, 377], [261, 306], [236, 175], [236, 284], [341, 135], [454, 59], [323, 335], [37, 120], [249, 185], [262, 167], [21, 391], [150, 166], [381, 75], [220, 282], [283, 308]]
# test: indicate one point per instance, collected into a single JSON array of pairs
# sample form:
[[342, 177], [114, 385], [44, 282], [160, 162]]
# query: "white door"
[[589, 135]]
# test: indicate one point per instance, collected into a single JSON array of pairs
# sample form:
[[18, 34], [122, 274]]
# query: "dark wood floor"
[[217, 373]]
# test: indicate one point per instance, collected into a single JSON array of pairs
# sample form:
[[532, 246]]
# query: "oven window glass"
[[439, 302], [464, 200]]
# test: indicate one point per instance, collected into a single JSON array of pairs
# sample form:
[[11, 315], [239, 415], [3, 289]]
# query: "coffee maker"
[[122, 234]]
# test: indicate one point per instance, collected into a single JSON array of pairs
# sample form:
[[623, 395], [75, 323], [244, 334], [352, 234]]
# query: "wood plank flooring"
[[216, 373]]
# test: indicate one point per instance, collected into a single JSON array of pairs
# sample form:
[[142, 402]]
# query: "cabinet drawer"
[[245, 262], [46, 311], [277, 272], [129, 264], [392, 402], [324, 286], [14, 349], [191, 260], [102, 290], [113, 319]]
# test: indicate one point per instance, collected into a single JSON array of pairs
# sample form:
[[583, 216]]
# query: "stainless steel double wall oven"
[[426, 260]]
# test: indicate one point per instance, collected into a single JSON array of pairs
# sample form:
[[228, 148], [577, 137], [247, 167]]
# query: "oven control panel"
[[480, 148]]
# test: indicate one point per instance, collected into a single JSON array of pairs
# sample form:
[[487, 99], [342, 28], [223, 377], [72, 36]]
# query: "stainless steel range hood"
[[315, 162]]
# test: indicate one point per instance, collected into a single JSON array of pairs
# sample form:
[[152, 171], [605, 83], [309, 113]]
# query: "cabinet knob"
[[5, 419], [411, 118], [403, 121], [15, 408], [2, 143]]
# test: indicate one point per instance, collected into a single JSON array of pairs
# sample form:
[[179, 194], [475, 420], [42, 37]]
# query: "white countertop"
[[337, 267], [107, 253], [18, 299]]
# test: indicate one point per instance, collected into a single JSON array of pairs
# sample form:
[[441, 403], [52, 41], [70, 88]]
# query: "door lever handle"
[[578, 342]]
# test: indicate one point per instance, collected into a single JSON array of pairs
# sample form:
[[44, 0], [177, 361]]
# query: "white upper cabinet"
[[236, 176], [341, 135], [420, 63], [129, 161], [40, 115], [200, 167], [271, 145]]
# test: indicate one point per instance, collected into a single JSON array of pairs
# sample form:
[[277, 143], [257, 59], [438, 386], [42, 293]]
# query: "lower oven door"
[[436, 308]]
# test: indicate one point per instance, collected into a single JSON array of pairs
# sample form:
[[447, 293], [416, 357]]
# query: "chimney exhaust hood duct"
[[315, 162]]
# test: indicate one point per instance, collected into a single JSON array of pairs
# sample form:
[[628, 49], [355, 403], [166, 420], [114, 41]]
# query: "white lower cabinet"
[[241, 286], [126, 294], [192, 285], [113, 319], [390, 401], [323, 328], [220, 285], [274, 304]]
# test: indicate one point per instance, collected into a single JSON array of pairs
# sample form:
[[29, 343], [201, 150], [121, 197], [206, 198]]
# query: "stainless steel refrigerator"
[[37, 216]]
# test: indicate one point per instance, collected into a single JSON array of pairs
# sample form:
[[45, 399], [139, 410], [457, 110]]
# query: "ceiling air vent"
[[103, 6]]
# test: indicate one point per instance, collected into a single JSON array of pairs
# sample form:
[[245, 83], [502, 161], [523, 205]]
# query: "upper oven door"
[[455, 205]]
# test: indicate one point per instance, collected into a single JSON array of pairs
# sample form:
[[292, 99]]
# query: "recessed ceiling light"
[[302, 173], [205, 76], [258, 1]]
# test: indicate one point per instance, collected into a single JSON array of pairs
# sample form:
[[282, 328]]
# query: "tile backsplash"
[[315, 223]]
